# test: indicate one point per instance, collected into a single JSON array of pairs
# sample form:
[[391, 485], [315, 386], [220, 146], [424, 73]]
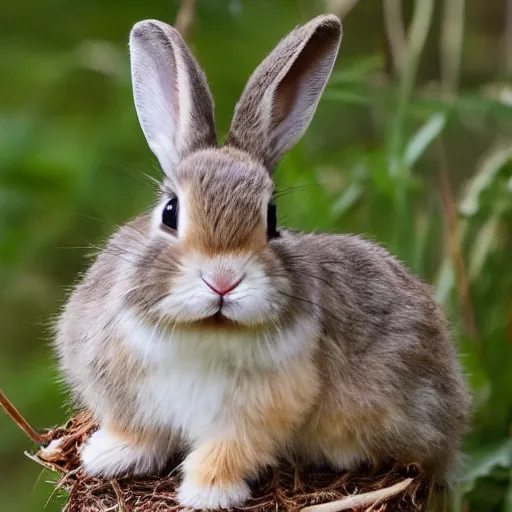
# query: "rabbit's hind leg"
[[340, 453], [332, 437]]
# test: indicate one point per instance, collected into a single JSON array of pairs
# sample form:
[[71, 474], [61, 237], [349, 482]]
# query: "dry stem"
[[455, 250], [366, 499], [373, 490], [22, 423]]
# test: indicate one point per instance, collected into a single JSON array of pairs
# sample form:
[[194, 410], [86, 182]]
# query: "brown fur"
[[375, 379], [147, 438], [222, 230], [272, 406]]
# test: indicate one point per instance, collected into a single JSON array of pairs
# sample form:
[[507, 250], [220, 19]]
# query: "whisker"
[[152, 180], [135, 175], [120, 252], [297, 188], [148, 285]]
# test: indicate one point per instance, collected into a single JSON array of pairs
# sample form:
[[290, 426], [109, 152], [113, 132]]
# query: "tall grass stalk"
[[450, 45], [395, 32], [417, 36]]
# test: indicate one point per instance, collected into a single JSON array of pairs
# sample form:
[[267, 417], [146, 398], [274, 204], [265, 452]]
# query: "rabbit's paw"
[[105, 455], [213, 496]]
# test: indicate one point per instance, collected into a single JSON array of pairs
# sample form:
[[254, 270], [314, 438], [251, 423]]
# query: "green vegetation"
[[407, 157]]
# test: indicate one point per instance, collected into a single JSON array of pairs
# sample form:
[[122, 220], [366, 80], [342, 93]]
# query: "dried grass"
[[282, 489]]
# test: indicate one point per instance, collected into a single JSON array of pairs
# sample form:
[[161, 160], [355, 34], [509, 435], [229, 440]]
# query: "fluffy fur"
[[328, 349]]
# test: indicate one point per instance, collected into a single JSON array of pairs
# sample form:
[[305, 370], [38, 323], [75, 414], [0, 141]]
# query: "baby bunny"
[[203, 327]]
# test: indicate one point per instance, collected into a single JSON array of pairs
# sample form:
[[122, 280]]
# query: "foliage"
[[427, 174]]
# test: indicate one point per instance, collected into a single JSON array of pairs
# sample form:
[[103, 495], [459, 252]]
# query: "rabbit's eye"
[[272, 222], [170, 214]]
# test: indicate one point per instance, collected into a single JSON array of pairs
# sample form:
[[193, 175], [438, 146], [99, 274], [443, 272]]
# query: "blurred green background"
[[411, 146]]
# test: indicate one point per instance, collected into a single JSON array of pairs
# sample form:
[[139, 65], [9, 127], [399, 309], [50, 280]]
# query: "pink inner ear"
[[310, 61]]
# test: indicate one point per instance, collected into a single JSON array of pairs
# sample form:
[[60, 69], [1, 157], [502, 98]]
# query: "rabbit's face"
[[213, 255], [212, 239]]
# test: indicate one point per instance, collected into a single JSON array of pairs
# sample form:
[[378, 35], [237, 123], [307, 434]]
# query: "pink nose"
[[222, 284]]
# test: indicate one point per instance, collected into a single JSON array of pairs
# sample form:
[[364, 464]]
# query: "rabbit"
[[204, 328]]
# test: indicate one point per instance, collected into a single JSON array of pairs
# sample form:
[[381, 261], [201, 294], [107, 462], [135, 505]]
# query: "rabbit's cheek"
[[250, 305]]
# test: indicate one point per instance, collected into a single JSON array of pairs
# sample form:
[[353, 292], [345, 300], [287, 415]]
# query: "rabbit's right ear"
[[172, 98], [282, 94]]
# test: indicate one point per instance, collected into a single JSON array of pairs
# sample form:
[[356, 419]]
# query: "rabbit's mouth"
[[218, 321]]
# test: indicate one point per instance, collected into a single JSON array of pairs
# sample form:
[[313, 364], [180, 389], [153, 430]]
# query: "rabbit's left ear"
[[172, 97], [281, 96]]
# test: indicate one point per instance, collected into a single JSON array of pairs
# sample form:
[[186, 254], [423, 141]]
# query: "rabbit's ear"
[[280, 98], [172, 98]]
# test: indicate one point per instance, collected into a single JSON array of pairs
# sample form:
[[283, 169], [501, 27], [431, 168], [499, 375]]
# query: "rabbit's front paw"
[[105, 455], [212, 496], [213, 477]]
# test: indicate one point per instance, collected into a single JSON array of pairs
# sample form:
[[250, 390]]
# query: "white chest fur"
[[185, 394], [197, 380]]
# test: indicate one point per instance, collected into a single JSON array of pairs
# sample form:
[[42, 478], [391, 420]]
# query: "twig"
[[395, 32], [44, 463], [297, 481], [361, 500], [452, 33], [185, 18], [22, 423], [121, 504]]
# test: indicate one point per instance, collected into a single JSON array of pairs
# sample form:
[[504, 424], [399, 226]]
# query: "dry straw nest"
[[282, 489]]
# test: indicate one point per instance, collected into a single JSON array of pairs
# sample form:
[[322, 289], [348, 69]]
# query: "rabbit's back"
[[392, 384]]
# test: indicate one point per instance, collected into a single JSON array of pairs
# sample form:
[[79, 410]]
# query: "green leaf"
[[349, 197], [483, 246], [484, 459], [484, 177], [445, 281], [423, 138], [476, 372]]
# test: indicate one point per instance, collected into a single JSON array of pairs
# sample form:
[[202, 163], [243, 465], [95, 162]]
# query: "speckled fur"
[[329, 349]]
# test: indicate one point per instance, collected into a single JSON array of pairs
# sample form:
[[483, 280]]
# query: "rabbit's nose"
[[222, 284]]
